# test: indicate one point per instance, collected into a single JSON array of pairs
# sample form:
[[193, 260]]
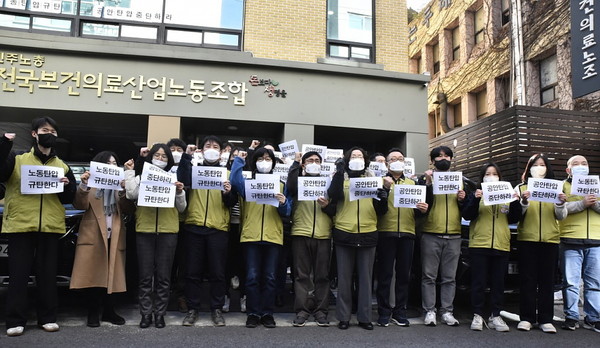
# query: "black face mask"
[[442, 165], [47, 140]]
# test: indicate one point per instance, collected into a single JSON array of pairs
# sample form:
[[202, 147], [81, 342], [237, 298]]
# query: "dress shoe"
[[159, 321], [113, 318], [366, 326], [146, 321], [344, 325]]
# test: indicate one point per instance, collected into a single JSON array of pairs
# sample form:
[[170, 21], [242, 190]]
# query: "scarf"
[[109, 201]]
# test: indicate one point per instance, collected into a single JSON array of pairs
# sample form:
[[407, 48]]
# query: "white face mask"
[[580, 170], [397, 166], [356, 164], [211, 155], [491, 178], [313, 169], [176, 156], [264, 166], [225, 156], [538, 172], [160, 164]]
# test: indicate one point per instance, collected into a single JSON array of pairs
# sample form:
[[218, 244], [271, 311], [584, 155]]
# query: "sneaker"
[[15, 331], [235, 282], [449, 319], [217, 317], [548, 328], [570, 324], [430, 319], [400, 320], [252, 321], [190, 318], [524, 325], [226, 304], [50, 327], [268, 321], [477, 323], [322, 321], [299, 321], [243, 304], [383, 321], [498, 324], [591, 326]]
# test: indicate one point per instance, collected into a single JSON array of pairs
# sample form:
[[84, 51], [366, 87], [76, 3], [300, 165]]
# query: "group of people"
[[362, 237]]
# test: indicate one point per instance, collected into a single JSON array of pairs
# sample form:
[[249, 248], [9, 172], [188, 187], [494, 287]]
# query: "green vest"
[[397, 219], [32, 213], [310, 221], [260, 223], [538, 224], [156, 220], [490, 229], [357, 216], [444, 215], [582, 225], [206, 208]]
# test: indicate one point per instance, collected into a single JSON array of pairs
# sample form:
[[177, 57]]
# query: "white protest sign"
[[37, 180], [327, 169], [331, 155], [446, 182], [197, 158], [208, 177], [310, 188], [289, 148], [157, 187], [409, 167], [407, 196], [499, 192], [583, 185], [364, 187], [282, 171], [246, 174], [544, 190], [321, 150], [105, 176], [378, 168], [263, 190]]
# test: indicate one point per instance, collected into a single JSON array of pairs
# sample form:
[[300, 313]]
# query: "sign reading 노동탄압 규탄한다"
[[157, 187], [446, 182], [105, 176], [263, 189], [583, 185], [208, 177], [41, 179]]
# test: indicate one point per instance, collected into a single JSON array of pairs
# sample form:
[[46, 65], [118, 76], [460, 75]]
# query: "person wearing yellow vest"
[[579, 221], [33, 224], [538, 237], [355, 237], [261, 238], [156, 240], [311, 244], [206, 234], [440, 243], [489, 247], [395, 246]]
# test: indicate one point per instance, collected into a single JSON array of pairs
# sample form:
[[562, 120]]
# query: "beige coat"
[[94, 265]]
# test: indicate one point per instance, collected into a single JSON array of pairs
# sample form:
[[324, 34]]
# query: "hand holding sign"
[[84, 177]]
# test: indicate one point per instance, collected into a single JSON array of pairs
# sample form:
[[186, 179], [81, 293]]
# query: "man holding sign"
[[33, 222]]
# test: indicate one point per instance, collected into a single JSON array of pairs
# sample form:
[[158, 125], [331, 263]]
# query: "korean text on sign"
[[321, 150], [263, 190], [209, 178], [289, 148], [378, 168], [282, 171], [311, 188], [407, 196], [409, 167], [105, 176], [157, 188], [446, 182], [544, 190], [41, 180], [331, 155], [497, 192], [361, 188], [583, 185]]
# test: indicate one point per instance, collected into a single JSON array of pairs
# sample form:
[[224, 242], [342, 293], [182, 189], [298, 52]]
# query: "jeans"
[[399, 252], [578, 260], [261, 264]]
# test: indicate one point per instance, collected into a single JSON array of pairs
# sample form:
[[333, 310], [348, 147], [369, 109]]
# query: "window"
[[456, 43], [479, 25], [350, 29], [481, 104], [548, 79], [456, 110], [435, 53], [435, 128], [505, 12]]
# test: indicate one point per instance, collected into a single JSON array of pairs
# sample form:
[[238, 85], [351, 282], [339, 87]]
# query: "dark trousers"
[[349, 259], [155, 253], [537, 267], [24, 251], [261, 264], [390, 251], [487, 264], [206, 254], [285, 260], [311, 268], [235, 261], [178, 271]]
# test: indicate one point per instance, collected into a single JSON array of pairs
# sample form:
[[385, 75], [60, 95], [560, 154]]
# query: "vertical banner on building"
[[585, 50]]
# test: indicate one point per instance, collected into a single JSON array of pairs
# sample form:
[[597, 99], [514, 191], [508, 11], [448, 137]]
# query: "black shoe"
[[366, 326], [570, 324], [159, 321], [217, 317], [146, 321], [113, 318], [93, 319], [344, 325], [252, 321], [268, 321]]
